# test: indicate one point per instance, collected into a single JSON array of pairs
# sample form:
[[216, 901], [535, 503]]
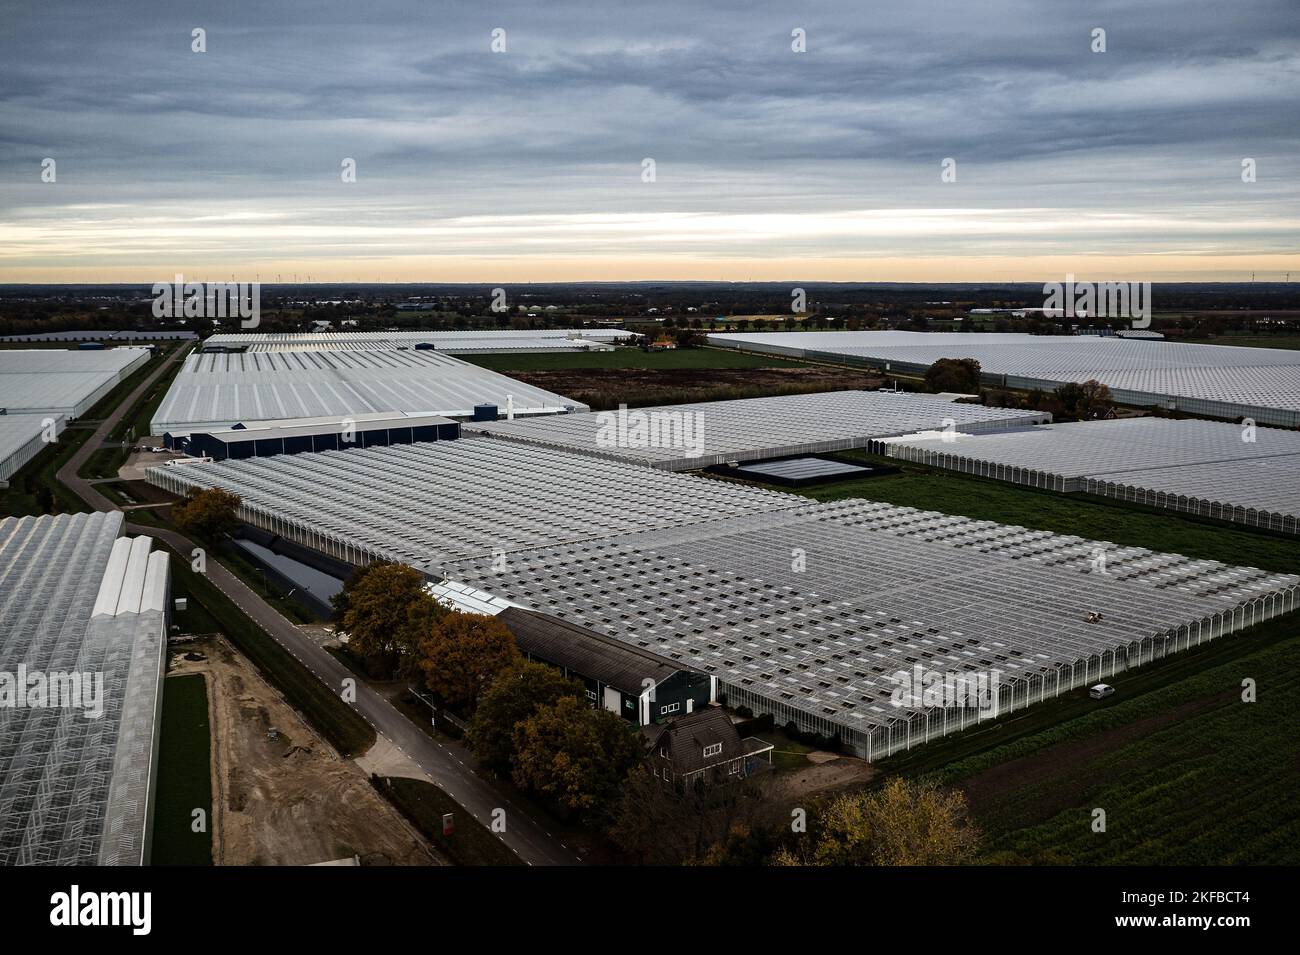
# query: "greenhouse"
[[689, 436], [220, 390], [428, 503], [1243, 474], [84, 619], [469, 341], [817, 614], [22, 437], [807, 611], [52, 381], [1220, 381]]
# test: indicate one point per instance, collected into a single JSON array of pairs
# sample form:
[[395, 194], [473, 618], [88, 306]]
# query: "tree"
[[574, 756], [386, 612], [1086, 402], [515, 695], [960, 375], [207, 512], [902, 823], [463, 653], [339, 602], [664, 824]]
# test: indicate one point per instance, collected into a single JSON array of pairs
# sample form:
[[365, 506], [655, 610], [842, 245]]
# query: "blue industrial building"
[[266, 438]]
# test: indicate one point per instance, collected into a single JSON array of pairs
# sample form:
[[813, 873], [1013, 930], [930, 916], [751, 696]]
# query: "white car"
[[1101, 691]]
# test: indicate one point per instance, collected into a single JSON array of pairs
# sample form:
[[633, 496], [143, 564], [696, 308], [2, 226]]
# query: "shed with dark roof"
[[639, 685]]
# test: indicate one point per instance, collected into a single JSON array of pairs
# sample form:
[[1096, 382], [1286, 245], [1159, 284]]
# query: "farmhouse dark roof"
[[684, 738], [586, 652]]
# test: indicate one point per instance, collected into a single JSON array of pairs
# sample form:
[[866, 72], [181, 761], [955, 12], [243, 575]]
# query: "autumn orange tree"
[[462, 653], [209, 512], [386, 613]]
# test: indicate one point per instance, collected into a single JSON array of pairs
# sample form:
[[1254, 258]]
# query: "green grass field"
[[184, 774], [788, 753], [687, 358], [1185, 770]]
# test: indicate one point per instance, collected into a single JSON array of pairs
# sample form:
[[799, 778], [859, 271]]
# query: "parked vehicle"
[[1101, 691]]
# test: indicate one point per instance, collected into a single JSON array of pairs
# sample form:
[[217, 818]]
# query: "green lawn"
[[184, 774], [424, 803], [195, 618], [688, 358], [788, 753], [1093, 518]]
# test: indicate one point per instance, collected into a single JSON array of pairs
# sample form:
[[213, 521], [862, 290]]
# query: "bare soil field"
[[825, 773], [605, 388], [287, 798]]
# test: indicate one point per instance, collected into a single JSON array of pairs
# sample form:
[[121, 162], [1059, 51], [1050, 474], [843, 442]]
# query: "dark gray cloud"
[[234, 154]]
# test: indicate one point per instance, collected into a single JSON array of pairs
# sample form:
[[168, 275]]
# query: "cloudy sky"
[[529, 164]]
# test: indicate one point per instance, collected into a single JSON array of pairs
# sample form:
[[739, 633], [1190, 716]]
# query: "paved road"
[[67, 474], [446, 764]]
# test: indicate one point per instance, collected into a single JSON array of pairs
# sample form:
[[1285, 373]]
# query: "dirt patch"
[[281, 794], [829, 774], [1070, 766], [605, 388]]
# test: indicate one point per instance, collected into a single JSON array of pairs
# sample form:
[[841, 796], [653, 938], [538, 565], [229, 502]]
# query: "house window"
[[713, 749], [591, 695], [735, 766], [670, 708]]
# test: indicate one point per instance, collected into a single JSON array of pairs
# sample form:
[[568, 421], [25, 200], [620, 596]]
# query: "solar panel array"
[[688, 436], [75, 598], [1244, 474], [1216, 380], [430, 503], [220, 390]]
